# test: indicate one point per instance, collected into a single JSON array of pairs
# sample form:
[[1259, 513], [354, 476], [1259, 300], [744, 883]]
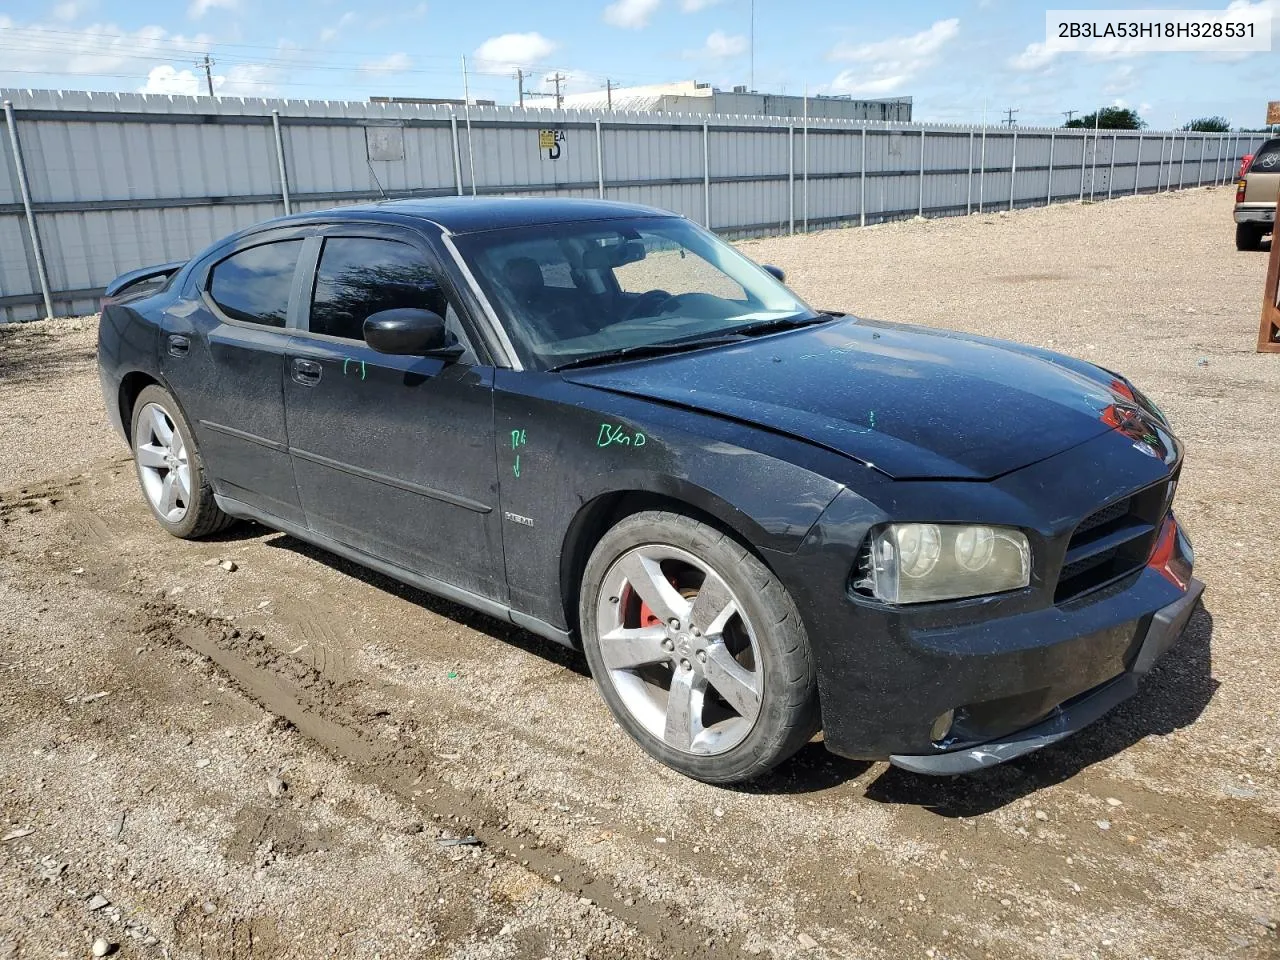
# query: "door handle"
[[306, 372], [178, 345]]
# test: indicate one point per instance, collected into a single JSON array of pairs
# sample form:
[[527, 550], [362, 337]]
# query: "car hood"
[[910, 401]]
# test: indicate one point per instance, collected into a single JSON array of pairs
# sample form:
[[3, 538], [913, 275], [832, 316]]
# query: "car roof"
[[473, 214]]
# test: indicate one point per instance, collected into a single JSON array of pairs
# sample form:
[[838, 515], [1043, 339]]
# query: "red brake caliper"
[[647, 617]]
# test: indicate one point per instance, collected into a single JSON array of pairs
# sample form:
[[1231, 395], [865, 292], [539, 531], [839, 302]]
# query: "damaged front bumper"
[[1073, 715]]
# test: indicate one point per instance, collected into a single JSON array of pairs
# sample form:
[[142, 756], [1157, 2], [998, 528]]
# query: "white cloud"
[[247, 80], [693, 6], [242, 80], [391, 63], [418, 12], [1122, 79], [890, 64], [167, 80], [920, 45], [630, 14], [571, 81], [503, 54], [95, 50], [199, 8], [1258, 7], [1036, 56], [344, 21], [71, 10], [720, 46]]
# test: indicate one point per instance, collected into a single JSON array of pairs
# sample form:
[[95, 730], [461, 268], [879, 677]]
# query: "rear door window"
[[360, 276], [253, 285]]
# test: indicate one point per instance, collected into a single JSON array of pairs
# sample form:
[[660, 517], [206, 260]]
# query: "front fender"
[[564, 449]]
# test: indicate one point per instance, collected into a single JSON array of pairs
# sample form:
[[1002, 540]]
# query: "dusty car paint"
[[489, 484]]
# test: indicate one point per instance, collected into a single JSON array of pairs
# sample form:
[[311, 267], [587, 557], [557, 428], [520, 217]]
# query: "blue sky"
[[954, 58]]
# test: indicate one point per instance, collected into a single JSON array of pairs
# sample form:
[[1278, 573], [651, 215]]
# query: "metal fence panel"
[[123, 180]]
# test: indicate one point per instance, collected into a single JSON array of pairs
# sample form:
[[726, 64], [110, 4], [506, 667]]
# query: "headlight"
[[918, 562]]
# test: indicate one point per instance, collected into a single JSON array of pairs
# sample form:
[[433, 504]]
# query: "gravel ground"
[[270, 761]]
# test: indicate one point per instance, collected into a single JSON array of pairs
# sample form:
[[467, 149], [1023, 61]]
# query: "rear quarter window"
[[253, 285]]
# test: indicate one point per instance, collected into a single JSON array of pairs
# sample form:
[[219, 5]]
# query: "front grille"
[[1105, 515], [1112, 542]]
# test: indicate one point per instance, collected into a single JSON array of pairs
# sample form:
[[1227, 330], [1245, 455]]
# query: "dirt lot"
[[271, 761]]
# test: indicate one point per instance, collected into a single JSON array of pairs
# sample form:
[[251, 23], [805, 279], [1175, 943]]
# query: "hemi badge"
[[516, 518]]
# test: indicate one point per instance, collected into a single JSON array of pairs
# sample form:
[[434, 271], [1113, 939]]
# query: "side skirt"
[[501, 611]]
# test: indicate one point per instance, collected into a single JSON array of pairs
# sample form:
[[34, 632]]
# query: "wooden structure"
[[1269, 329]]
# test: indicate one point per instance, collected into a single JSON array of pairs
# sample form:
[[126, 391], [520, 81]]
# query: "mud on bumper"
[[1072, 715]]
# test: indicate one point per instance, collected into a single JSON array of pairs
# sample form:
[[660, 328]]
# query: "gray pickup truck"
[[1256, 191]]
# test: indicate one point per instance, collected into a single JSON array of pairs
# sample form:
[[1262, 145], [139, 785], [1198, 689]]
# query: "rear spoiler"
[[126, 280]]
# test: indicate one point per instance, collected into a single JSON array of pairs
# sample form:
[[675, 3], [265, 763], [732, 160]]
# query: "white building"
[[689, 96]]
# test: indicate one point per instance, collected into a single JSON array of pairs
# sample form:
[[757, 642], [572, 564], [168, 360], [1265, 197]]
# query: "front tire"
[[170, 469], [697, 648], [1249, 236]]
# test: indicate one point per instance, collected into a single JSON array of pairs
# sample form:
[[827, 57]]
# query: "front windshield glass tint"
[[571, 291]]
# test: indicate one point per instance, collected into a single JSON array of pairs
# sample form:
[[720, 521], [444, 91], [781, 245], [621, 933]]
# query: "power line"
[[1008, 119], [1069, 114]]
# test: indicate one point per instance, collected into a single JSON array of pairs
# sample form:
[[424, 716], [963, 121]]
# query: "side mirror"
[[775, 272], [408, 331]]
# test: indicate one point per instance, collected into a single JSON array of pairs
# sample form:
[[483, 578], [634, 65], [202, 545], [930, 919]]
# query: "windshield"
[[569, 292]]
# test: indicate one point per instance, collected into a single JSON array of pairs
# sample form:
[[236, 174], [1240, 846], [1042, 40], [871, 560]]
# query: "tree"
[[1209, 125], [1109, 118]]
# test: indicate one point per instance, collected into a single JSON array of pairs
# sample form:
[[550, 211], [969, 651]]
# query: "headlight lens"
[[919, 562], [919, 546]]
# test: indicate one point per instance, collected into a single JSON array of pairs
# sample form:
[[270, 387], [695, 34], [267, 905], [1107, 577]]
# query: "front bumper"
[[1265, 214], [1067, 718], [929, 679]]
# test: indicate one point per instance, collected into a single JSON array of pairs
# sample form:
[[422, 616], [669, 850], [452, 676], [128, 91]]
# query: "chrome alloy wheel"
[[679, 649], [161, 455]]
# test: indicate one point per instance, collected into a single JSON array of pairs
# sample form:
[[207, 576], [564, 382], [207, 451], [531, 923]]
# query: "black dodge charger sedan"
[[602, 423]]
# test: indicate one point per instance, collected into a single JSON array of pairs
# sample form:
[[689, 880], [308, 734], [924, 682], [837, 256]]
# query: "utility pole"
[[608, 93], [1008, 119], [751, 83], [520, 85], [208, 72], [557, 78], [466, 105], [1069, 114]]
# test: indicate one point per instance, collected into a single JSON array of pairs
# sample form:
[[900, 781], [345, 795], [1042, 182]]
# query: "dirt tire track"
[[298, 693]]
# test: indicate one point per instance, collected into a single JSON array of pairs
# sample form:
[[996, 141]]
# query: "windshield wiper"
[[648, 350], [782, 323]]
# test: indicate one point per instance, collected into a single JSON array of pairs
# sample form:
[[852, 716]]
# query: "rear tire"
[[1249, 236], [170, 469], [697, 648]]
